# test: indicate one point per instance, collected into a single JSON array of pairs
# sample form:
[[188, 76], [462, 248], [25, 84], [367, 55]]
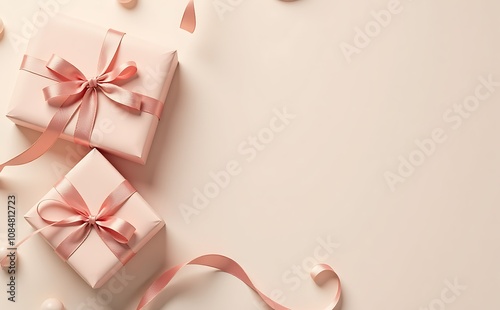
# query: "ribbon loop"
[[110, 228], [229, 266], [74, 87], [75, 94], [120, 230], [123, 72], [64, 93], [64, 69]]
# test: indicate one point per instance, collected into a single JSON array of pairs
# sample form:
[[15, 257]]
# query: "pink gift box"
[[116, 130], [95, 179]]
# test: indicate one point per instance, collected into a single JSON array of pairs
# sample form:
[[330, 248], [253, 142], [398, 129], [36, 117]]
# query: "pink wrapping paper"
[[95, 178], [116, 130]]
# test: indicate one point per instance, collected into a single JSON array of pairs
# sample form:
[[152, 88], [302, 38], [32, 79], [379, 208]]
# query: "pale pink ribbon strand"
[[188, 21], [115, 232], [228, 265], [74, 91]]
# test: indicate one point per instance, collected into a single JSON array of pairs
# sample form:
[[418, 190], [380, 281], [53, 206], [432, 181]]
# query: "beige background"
[[322, 177]]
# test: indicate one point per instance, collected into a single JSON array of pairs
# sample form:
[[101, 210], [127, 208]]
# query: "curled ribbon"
[[188, 21], [114, 231], [228, 265], [75, 92]]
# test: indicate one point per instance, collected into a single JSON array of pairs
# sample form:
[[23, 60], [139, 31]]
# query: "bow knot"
[[113, 230], [74, 88], [93, 83], [74, 94], [92, 220]]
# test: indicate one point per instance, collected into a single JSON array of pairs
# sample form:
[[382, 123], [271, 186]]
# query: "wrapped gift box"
[[94, 178], [116, 130]]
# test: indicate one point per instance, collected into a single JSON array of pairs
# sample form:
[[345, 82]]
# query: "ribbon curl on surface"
[[228, 265], [188, 21], [114, 231], [75, 92]]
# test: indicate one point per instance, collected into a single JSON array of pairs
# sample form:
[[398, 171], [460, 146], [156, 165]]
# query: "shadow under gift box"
[[95, 178], [116, 130]]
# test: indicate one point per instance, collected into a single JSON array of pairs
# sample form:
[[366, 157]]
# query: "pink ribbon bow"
[[114, 231], [75, 88], [75, 92]]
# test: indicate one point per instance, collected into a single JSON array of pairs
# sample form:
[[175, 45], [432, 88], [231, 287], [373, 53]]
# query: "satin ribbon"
[[75, 92], [227, 265], [188, 21], [115, 232]]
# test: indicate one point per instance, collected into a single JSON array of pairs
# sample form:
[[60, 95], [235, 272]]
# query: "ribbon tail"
[[46, 140], [71, 243], [115, 232], [123, 97], [86, 118], [188, 21], [231, 267], [4, 260], [122, 251]]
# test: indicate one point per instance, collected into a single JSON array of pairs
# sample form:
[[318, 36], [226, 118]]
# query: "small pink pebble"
[[129, 4], [52, 304], [1, 28]]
